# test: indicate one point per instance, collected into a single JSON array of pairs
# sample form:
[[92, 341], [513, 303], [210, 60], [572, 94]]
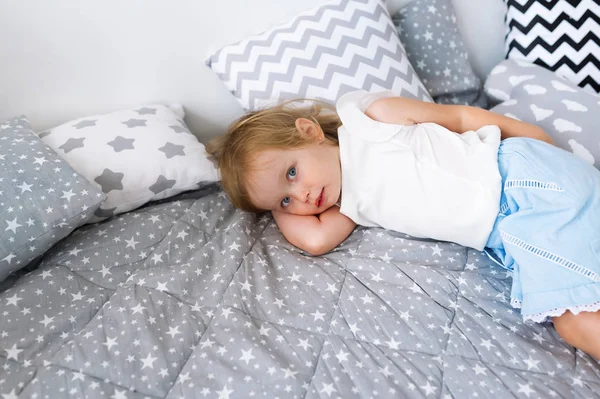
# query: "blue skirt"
[[548, 229]]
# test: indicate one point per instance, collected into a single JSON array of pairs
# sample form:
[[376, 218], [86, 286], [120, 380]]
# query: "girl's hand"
[[315, 234]]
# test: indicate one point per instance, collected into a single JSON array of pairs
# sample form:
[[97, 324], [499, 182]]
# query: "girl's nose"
[[303, 195]]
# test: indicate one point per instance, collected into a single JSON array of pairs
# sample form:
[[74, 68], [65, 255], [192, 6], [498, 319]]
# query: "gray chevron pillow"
[[341, 46]]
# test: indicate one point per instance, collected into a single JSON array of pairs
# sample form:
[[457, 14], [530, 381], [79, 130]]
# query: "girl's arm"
[[318, 234], [457, 118]]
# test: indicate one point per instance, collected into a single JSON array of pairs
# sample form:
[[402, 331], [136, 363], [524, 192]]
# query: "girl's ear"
[[308, 129]]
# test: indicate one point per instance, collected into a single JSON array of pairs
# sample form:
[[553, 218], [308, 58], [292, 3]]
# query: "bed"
[[192, 298]]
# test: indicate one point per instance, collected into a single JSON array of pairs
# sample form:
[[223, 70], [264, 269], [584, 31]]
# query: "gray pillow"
[[537, 95], [42, 199], [429, 32]]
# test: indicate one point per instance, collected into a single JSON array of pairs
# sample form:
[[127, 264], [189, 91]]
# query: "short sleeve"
[[351, 109]]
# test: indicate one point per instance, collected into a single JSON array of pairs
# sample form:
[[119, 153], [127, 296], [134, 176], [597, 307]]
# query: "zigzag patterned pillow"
[[560, 35], [341, 46]]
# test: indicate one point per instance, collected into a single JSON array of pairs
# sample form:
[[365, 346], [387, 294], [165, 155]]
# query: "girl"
[[394, 162]]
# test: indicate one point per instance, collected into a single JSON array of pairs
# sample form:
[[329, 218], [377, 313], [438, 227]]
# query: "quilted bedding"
[[192, 298]]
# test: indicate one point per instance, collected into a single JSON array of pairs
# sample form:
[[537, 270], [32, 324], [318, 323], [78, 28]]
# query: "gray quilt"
[[191, 298]]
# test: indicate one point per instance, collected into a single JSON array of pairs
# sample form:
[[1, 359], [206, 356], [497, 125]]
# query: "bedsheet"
[[191, 298]]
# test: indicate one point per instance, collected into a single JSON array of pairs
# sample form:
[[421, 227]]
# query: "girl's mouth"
[[320, 199]]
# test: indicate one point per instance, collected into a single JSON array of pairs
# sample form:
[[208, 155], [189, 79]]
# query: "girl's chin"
[[337, 200]]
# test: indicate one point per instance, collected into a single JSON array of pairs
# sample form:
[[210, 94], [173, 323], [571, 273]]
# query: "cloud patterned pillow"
[[134, 156], [536, 95], [42, 199]]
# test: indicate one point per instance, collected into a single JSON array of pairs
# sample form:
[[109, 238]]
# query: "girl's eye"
[[285, 202], [292, 173]]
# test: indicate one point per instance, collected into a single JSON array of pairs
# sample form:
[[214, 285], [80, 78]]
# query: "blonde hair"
[[266, 129]]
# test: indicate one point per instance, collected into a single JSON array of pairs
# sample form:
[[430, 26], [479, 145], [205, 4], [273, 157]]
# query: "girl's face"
[[302, 181]]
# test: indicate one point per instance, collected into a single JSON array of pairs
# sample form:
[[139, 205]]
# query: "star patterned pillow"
[[42, 199], [134, 156], [429, 32]]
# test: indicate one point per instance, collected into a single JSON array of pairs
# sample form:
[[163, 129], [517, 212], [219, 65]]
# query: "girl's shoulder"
[[361, 100], [355, 110]]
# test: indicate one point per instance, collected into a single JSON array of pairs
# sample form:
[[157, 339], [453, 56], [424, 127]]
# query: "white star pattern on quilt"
[[350, 324]]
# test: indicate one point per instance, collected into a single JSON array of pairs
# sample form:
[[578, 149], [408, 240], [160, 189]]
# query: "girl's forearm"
[[335, 228], [473, 118], [316, 235]]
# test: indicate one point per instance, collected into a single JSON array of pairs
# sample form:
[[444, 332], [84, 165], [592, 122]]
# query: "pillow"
[[560, 35], [341, 46], [134, 156], [536, 95], [42, 199], [429, 32]]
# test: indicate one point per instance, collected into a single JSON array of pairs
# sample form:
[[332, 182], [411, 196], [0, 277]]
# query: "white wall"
[[65, 59]]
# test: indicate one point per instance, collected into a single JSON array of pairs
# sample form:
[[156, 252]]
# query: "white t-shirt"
[[422, 179]]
